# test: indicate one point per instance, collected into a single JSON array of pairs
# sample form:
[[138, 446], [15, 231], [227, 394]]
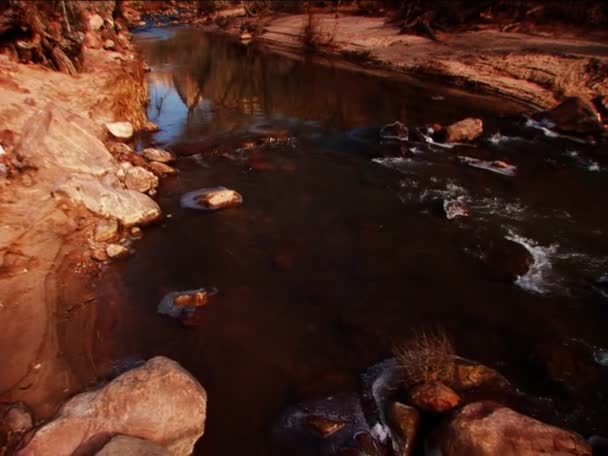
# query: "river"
[[341, 249]]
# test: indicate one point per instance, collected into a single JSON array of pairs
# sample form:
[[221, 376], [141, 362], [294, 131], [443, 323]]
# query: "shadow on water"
[[334, 257]]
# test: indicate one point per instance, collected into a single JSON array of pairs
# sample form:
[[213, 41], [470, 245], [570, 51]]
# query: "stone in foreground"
[[120, 130], [211, 199], [159, 402], [124, 445], [489, 429], [140, 179]]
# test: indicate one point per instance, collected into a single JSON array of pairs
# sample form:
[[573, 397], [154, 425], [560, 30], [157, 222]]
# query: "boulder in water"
[[455, 208], [184, 305], [395, 130], [211, 199], [506, 260], [158, 401], [463, 131], [161, 169], [434, 397], [496, 166], [470, 375], [489, 429]]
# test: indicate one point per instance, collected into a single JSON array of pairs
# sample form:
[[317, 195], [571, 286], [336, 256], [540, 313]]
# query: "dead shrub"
[[130, 94], [426, 357]]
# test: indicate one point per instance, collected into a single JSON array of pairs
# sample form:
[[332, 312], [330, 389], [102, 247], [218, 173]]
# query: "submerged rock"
[[120, 130], [128, 206], [125, 445], [159, 402], [434, 397], [463, 131], [183, 305], [488, 428], [455, 208], [334, 425], [158, 155], [211, 199], [496, 166], [506, 260], [395, 130]]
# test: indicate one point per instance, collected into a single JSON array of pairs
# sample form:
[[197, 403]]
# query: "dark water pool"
[[341, 250]]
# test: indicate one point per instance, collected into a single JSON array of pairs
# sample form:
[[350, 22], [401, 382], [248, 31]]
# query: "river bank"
[[73, 195], [536, 69]]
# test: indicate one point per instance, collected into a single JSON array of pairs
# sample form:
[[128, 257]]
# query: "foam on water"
[[537, 279], [498, 138]]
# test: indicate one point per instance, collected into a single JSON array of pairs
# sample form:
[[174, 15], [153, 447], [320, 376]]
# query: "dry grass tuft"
[[130, 94], [428, 356]]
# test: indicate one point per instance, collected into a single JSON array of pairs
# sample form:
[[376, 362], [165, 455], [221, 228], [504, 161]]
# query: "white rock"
[[117, 251], [95, 22], [158, 155], [109, 44], [140, 179], [120, 130]]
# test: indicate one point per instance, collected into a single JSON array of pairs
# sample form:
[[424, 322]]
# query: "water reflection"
[[206, 85]]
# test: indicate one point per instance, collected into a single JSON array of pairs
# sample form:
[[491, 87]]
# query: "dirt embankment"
[[64, 198], [533, 69]]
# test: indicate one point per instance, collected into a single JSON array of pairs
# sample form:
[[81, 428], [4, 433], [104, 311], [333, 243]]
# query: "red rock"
[[463, 131], [434, 397], [490, 429]]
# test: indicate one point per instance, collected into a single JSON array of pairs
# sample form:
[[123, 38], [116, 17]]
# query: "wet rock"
[[158, 401], [293, 431], [150, 126], [158, 155], [465, 130], [106, 230], [95, 22], [140, 179], [496, 166], [405, 421], [434, 397], [323, 425], [128, 206], [123, 445], [56, 141], [473, 375], [120, 130], [246, 36], [395, 130], [184, 305], [120, 149], [506, 260], [455, 208], [575, 115], [488, 428], [211, 199], [18, 418], [161, 169], [117, 251], [109, 44]]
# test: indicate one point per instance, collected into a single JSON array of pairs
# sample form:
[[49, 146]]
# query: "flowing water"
[[341, 249]]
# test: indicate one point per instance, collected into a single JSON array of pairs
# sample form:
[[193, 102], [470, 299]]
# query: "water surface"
[[341, 250]]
